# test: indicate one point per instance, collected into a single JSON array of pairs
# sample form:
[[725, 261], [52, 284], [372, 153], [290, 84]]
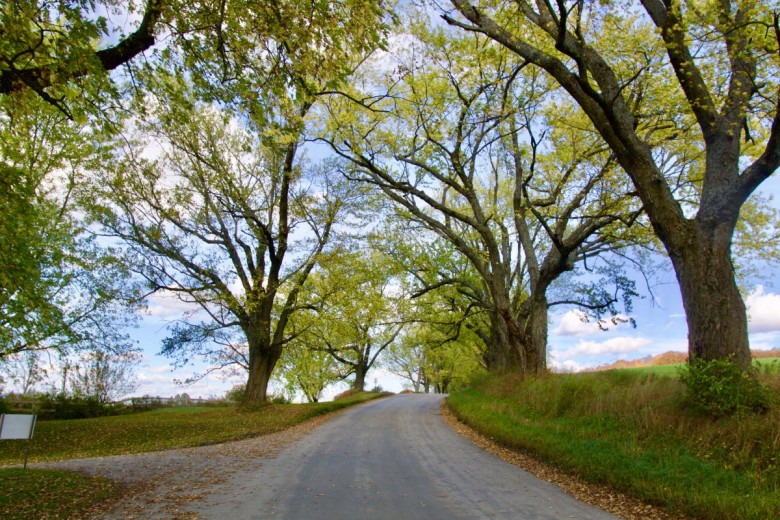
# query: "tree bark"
[[536, 335], [714, 309], [262, 360], [360, 377], [506, 350]]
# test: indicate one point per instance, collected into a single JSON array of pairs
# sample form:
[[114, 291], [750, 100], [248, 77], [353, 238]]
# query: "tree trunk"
[[360, 377], [536, 336], [262, 360], [505, 349], [714, 309]]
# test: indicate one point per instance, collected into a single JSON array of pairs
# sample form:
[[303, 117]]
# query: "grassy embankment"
[[632, 430], [39, 493]]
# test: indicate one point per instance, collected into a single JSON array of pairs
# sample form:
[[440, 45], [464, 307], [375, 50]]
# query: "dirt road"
[[389, 459], [395, 459]]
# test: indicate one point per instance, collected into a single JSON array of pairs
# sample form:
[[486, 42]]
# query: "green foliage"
[[428, 357], [235, 394], [632, 431], [50, 493], [721, 388], [54, 407], [60, 290], [47, 49], [356, 312], [265, 58]]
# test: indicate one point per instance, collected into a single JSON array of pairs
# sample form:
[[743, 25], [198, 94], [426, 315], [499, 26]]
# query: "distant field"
[[770, 365], [659, 370]]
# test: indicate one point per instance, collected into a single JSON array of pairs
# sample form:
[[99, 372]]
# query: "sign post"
[[18, 426]]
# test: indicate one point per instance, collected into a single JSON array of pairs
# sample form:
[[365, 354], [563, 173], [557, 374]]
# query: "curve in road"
[[393, 458]]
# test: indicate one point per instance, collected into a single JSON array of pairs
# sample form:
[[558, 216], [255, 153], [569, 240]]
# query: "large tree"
[[462, 142], [718, 63], [226, 219]]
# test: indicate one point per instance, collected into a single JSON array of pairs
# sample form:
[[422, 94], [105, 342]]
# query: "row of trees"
[[95, 375], [324, 186]]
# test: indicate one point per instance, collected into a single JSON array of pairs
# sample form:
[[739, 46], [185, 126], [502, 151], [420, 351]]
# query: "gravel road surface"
[[389, 459], [392, 458]]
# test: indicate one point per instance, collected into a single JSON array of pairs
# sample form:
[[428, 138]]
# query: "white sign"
[[16, 426]]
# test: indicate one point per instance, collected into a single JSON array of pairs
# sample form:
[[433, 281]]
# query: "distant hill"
[[673, 358]]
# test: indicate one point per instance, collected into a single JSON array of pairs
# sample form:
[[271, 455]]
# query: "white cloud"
[[619, 345], [762, 345], [166, 306], [159, 381], [573, 323], [764, 311], [568, 366]]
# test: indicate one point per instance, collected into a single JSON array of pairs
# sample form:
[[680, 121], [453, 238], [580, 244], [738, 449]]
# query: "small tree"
[[103, 376], [308, 370], [360, 311], [24, 371]]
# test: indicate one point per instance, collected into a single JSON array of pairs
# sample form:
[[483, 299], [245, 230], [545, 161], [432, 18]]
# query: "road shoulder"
[[600, 496]]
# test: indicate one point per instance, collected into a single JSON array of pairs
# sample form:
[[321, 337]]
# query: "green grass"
[[48, 493], [766, 366], [659, 370], [39, 493], [632, 430], [161, 429]]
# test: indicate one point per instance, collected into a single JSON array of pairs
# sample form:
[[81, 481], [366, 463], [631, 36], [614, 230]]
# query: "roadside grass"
[[162, 429], [632, 430], [48, 493], [43, 493]]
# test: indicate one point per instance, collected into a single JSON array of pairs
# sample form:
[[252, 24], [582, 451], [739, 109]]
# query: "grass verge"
[[632, 430], [43, 493], [48, 493]]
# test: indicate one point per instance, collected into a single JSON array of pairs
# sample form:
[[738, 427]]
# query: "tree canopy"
[[60, 290], [333, 186], [718, 64]]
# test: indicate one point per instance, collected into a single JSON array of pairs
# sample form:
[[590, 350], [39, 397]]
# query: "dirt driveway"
[[161, 484]]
